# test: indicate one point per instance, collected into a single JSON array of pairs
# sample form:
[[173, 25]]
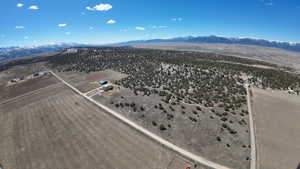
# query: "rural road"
[[153, 136], [252, 130]]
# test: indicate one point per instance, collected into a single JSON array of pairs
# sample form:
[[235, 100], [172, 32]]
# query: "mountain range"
[[13, 52], [223, 40]]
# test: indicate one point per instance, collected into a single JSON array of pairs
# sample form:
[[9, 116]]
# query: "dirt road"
[[252, 130], [57, 128], [142, 130]]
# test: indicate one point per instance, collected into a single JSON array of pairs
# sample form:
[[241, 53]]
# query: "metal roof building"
[[102, 82]]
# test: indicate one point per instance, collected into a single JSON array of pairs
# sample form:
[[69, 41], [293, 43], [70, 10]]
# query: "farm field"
[[277, 116], [57, 128], [11, 91]]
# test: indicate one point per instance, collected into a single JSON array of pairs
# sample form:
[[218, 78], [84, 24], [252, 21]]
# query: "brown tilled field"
[[56, 128], [277, 117], [9, 91]]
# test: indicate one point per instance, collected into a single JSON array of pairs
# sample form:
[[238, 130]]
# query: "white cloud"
[[34, 7], [162, 26], [158, 27], [140, 28], [111, 21], [68, 33], [124, 30], [26, 37], [20, 5], [89, 8], [62, 25], [176, 19], [19, 27], [268, 2], [100, 7]]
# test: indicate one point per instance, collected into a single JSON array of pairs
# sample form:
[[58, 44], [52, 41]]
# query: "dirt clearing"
[[277, 116], [88, 81]]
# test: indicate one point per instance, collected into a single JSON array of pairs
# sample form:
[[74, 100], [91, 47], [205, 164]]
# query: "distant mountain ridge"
[[15, 51], [218, 39]]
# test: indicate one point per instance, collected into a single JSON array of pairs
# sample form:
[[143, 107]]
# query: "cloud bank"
[[20, 5], [111, 21], [140, 28], [19, 27], [33, 7], [100, 7], [62, 25]]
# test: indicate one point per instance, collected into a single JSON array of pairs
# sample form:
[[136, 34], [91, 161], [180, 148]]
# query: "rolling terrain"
[[272, 55], [167, 109]]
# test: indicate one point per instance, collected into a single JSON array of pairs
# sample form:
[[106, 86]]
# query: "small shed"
[[103, 82]]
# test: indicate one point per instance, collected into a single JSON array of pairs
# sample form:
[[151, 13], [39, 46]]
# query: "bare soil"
[[276, 117], [107, 75], [56, 128], [11, 91]]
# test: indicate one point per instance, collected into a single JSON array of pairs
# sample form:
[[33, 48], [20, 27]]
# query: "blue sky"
[[33, 22]]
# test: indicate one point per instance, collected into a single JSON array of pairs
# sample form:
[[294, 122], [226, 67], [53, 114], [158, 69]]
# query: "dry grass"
[[11, 91], [56, 128], [199, 137], [277, 116]]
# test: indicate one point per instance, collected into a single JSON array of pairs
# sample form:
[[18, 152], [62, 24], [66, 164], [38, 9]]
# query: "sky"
[[36, 22]]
